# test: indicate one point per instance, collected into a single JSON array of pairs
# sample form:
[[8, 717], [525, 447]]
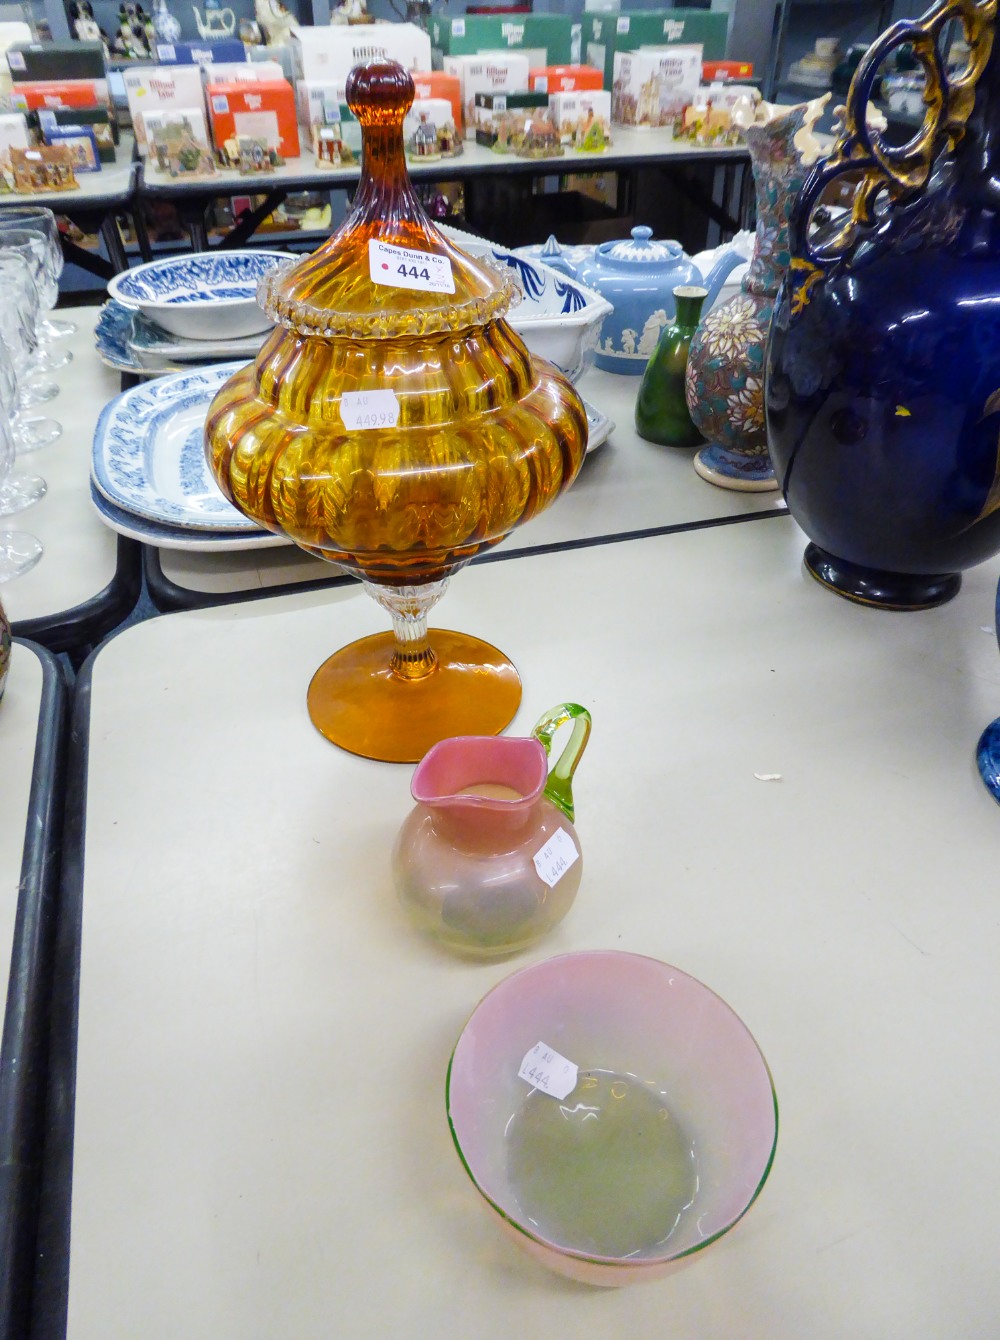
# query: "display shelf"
[[263, 1039], [32, 740]]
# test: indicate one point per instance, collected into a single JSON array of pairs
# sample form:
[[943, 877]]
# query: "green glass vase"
[[661, 412]]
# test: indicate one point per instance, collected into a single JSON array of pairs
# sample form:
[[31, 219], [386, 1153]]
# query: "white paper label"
[[622, 26], [15, 60], [545, 1069], [166, 52], [556, 857], [399, 267], [458, 27], [369, 409], [220, 104]]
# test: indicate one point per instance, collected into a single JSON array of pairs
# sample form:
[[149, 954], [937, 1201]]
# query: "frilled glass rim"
[[304, 318]]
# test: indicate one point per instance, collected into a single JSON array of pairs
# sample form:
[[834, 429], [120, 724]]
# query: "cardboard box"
[[721, 71], [229, 73], [583, 119], [652, 88], [429, 131], [166, 123], [330, 54], [548, 37], [155, 87], [80, 141], [29, 97], [231, 51], [565, 78], [13, 133], [437, 84], [31, 62], [502, 119], [505, 73], [605, 35], [313, 98], [263, 111], [100, 120]]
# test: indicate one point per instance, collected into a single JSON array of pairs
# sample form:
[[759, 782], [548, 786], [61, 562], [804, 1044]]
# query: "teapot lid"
[[387, 270], [641, 249]]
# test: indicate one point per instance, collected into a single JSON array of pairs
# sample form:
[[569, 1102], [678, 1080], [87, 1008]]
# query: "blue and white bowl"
[[558, 318], [209, 295]]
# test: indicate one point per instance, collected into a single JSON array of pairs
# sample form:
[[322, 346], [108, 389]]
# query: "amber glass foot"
[[885, 590], [394, 695]]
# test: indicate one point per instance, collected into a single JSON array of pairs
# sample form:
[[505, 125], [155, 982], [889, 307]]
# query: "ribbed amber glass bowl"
[[398, 427]]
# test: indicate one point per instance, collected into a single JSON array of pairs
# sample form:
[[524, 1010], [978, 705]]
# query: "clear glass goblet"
[[19, 551], [18, 316], [28, 432], [33, 247], [37, 219]]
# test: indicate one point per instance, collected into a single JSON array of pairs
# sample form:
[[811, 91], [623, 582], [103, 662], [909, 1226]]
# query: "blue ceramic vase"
[[882, 391]]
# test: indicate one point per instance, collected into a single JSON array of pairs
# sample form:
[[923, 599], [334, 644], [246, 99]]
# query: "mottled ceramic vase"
[[883, 381], [725, 373]]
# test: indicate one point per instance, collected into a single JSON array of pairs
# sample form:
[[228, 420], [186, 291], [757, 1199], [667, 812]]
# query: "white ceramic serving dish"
[[558, 318], [205, 296]]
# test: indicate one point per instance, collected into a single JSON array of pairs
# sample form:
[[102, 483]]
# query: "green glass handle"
[[559, 787]]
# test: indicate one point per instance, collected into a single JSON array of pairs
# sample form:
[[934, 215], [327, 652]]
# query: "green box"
[[471, 33], [604, 34]]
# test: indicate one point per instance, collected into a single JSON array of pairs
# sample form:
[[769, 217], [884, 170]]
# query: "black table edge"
[[24, 1047], [170, 598], [78, 629]]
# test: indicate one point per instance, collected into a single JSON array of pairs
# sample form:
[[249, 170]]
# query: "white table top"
[[113, 184], [630, 145], [261, 1144], [19, 719], [81, 553], [627, 484]]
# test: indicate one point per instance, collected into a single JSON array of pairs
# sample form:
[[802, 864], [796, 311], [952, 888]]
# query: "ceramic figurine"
[[883, 386], [166, 25], [725, 376], [661, 412], [249, 33], [638, 277], [5, 648], [489, 861], [275, 21], [351, 11]]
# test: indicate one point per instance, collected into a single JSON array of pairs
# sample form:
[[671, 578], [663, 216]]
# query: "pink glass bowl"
[[639, 1017]]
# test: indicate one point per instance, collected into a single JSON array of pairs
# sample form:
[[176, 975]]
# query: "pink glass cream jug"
[[488, 861]]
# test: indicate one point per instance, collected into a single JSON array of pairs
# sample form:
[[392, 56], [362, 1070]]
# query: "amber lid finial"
[[419, 282]]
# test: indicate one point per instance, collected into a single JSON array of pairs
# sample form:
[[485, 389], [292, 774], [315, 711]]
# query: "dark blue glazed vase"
[[882, 390], [988, 749]]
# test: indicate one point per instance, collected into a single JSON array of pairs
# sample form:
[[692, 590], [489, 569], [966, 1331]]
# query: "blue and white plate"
[[149, 457], [128, 342], [111, 336], [167, 537], [208, 295]]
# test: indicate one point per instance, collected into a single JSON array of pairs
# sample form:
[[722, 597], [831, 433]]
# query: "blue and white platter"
[[167, 537], [129, 342], [149, 459]]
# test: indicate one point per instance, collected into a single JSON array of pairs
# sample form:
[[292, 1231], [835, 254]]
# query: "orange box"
[[564, 78], [718, 71], [262, 111], [33, 96], [437, 84]]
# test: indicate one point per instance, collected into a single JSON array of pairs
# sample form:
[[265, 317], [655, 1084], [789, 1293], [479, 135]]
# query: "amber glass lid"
[[387, 270]]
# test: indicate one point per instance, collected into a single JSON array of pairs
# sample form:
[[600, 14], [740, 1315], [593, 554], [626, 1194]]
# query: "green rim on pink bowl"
[[607, 1010]]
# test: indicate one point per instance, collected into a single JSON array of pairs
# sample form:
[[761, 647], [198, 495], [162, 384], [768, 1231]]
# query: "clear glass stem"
[[57, 330], [408, 607]]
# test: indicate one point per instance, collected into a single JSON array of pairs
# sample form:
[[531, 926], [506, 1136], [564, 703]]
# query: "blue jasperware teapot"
[[638, 276]]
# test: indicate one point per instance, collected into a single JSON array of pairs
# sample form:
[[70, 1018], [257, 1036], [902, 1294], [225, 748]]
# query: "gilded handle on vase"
[[890, 174]]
